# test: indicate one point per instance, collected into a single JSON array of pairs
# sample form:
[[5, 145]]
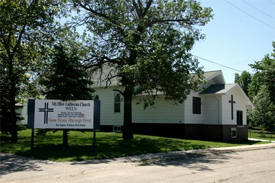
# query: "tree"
[[255, 85], [25, 27], [243, 80], [262, 90], [263, 112], [4, 127], [66, 78], [264, 75], [148, 43], [4, 103], [21, 22]]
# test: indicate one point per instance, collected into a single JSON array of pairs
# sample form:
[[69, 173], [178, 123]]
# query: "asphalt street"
[[207, 166]]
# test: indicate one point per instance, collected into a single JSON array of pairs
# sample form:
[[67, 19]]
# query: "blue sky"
[[238, 35]]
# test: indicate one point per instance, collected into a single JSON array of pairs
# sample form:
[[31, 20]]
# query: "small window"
[[117, 103], [240, 118], [233, 132], [196, 105]]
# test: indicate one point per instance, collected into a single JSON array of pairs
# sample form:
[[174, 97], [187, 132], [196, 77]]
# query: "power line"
[[261, 11], [213, 62], [251, 16]]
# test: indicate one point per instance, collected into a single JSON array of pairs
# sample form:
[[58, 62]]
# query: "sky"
[[240, 33]]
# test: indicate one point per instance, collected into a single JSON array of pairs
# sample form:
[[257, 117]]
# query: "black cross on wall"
[[46, 110], [232, 103]]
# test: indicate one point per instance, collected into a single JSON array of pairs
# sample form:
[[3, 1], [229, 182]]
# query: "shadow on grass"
[[106, 148], [261, 134], [109, 145]]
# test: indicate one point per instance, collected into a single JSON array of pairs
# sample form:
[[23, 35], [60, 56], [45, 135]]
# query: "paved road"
[[247, 166]]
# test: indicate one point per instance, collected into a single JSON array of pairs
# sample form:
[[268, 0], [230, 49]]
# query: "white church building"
[[218, 112]]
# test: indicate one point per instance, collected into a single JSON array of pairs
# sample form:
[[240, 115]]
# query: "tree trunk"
[[127, 130], [14, 135], [12, 102]]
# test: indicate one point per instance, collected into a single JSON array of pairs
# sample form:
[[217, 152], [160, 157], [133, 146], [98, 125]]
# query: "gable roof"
[[223, 89], [218, 89]]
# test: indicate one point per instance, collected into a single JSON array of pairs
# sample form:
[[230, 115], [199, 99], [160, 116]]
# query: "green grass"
[[261, 134], [109, 145]]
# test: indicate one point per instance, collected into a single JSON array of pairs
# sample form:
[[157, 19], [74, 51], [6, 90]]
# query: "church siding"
[[189, 117], [166, 118], [107, 114], [212, 107], [163, 111], [238, 105]]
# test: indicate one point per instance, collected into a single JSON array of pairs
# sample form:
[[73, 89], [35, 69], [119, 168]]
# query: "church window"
[[117, 103], [196, 105]]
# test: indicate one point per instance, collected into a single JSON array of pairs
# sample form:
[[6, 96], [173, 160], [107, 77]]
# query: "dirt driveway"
[[206, 166]]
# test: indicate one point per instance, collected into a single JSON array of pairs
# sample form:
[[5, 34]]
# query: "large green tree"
[[25, 28], [262, 91], [147, 43], [263, 113], [65, 78], [264, 75], [243, 80]]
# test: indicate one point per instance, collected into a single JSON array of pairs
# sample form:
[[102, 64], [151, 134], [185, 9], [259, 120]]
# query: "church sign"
[[57, 114]]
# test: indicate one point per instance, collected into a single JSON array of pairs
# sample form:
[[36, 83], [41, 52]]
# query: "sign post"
[[63, 115], [32, 140], [94, 140], [31, 106], [96, 121]]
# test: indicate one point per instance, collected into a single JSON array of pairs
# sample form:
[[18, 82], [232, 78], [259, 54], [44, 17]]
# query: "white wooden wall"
[[239, 105], [107, 114], [212, 107], [215, 109], [163, 111], [191, 118]]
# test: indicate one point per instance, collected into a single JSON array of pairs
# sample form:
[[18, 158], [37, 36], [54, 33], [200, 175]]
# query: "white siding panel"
[[107, 114], [188, 105], [212, 108], [215, 109], [163, 111], [239, 105]]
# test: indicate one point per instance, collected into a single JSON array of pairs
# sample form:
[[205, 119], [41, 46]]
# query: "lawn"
[[261, 134], [109, 145]]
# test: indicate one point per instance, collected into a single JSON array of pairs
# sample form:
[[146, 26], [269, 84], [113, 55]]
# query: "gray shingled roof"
[[218, 89], [210, 74], [99, 76]]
